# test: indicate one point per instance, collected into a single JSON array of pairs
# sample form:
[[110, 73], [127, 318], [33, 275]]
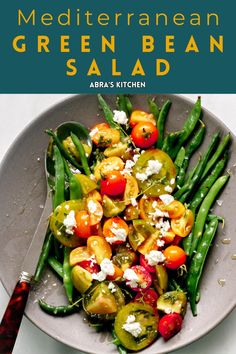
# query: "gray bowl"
[[23, 190]]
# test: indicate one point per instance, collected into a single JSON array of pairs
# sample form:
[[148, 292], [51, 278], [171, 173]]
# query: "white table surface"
[[16, 111]]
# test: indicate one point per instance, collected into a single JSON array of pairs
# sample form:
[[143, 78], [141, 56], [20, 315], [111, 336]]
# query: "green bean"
[[210, 217], [56, 266], [117, 342], [207, 183], [82, 154], [221, 148], [107, 112], [67, 281], [180, 157], [191, 121], [129, 105], [187, 241], [198, 261], [63, 151], [123, 104], [57, 310], [59, 188], [153, 107], [204, 210], [188, 187], [43, 256], [193, 170], [161, 123], [170, 142], [74, 184]]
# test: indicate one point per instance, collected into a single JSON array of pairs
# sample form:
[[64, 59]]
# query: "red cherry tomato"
[[144, 135], [114, 184], [89, 265], [148, 296], [82, 228], [175, 257], [144, 263], [144, 279], [169, 325]]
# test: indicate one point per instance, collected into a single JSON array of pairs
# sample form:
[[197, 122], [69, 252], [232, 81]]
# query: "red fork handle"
[[12, 317]]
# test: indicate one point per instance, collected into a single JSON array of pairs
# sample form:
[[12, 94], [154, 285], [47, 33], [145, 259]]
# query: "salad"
[[132, 224]]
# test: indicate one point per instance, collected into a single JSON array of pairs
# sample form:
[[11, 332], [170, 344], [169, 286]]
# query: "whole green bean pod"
[[74, 184], [194, 144], [107, 112], [56, 266], [180, 157], [188, 187], [83, 158], [59, 188], [221, 148], [204, 210], [63, 151], [198, 261], [153, 107], [47, 245], [161, 123], [170, 142], [57, 310], [187, 241], [207, 183], [67, 281]]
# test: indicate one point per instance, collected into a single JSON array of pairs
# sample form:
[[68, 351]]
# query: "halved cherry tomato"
[[98, 246], [114, 184], [131, 189], [175, 257], [115, 230], [148, 296], [124, 257], [183, 225], [144, 279], [79, 254], [144, 263], [89, 265], [117, 274], [95, 195], [169, 325], [104, 136], [108, 165], [95, 211], [138, 116], [148, 208], [82, 228], [168, 236], [144, 135], [175, 209], [131, 212]]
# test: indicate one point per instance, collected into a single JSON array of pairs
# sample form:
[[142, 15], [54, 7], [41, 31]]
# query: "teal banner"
[[173, 46]]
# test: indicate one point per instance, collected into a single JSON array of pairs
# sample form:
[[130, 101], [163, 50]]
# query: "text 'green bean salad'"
[[130, 229]]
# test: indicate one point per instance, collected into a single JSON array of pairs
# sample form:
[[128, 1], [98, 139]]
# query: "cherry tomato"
[[82, 228], [114, 184], [98, 246], [79, 254], [144, 279], [169, 325], [144, 135], [175, 209], [89, 265], [169, 236], [108, 165], [138, 116], [103, 135], [144, 263], [183, 225], [117, 274], [148, 296], [115, 230], [95, 211], [175, 257]]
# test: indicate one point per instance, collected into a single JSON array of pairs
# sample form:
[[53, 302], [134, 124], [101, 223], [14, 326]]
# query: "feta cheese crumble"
[[132, 327], [133, 201], [92, 206], [131, 278], [154, 166], [120, 117], [172, 181], [167, 198], [107, 268], [112, 287], [129, 164], [163, 226], [120, 234], [168, 189], [160, 243], [155, 257], [70, 222]]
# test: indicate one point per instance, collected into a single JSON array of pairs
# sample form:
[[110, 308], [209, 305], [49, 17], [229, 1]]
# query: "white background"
[[16, 111]]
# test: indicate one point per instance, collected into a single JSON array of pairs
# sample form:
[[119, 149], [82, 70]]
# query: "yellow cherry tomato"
[[183, 225]]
